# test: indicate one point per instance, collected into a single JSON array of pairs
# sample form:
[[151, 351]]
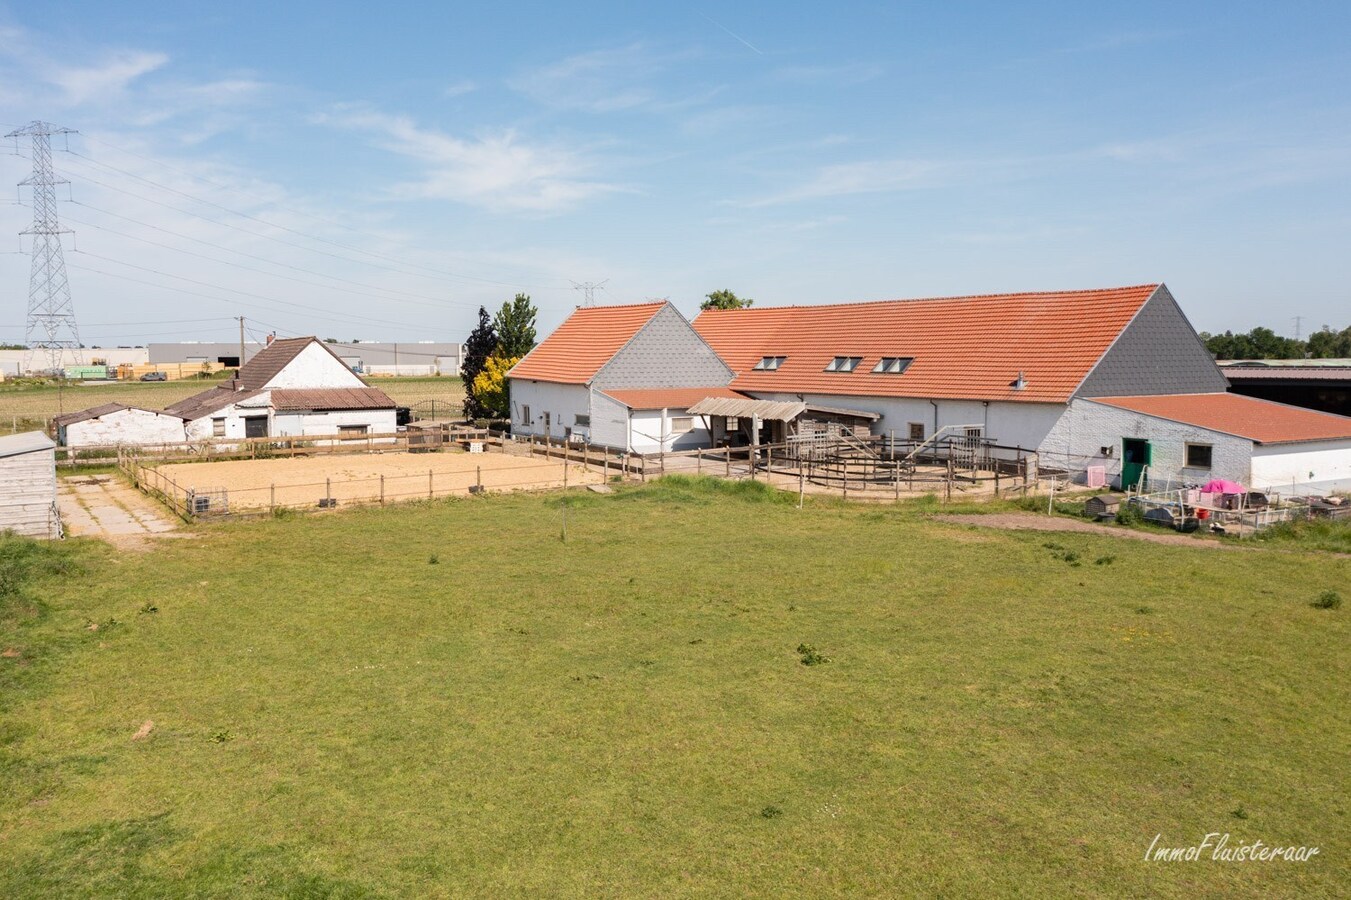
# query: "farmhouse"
[[114, 424], [292, 387], [28, 485], [1013, 372], [621, 377]]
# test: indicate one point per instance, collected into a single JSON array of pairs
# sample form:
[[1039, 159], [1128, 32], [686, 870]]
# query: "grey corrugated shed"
[[28, 442]]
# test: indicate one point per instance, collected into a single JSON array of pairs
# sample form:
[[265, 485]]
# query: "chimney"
[[271, 337], [1018, 383]]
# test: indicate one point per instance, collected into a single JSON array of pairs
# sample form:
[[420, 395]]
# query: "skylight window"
[[893, 365], [769, 363], [843, 364]]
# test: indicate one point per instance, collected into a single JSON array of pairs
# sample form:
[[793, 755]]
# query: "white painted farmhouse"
[[28, 485], [621, 377]]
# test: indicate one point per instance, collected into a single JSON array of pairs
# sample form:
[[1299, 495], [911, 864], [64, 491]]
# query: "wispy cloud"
[[82, 84], [841, 75], [867, 177], [459, 88], [600, 81], [497, 170]]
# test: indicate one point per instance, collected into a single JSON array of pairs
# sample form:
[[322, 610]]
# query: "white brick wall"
[[125, 427], [1076, 439]]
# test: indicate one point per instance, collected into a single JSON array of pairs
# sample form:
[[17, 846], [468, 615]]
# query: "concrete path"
[[104, 506]]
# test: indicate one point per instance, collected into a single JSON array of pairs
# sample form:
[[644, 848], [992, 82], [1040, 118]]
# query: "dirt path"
[[1033, 522], [104, 506]]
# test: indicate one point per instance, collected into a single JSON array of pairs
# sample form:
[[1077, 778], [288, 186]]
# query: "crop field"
[[703, 691], [31, 406]]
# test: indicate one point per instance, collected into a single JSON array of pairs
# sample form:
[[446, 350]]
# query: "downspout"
[[934, 404], [985, 423]]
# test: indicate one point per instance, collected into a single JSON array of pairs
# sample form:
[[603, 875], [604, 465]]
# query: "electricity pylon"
[[51, 316]]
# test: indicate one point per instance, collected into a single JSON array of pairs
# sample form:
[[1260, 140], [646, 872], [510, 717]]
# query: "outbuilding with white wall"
[[1173, 439], [117, 424], [28, 485]]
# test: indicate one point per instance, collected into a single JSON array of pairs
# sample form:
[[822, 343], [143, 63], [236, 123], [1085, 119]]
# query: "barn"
[[292, 387], [620, 377], [28, 485], [1048, 372], [114, 424]]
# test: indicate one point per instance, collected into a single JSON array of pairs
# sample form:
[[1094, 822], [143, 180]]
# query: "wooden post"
[[478, 478], [699, 462], [947, 493], [272, 498], [996, 480], [565, 473], [382, 489], [429, 484], [642, 473], [605, 467], [801, 485], [328, 491], [769, 463], [728, 456]]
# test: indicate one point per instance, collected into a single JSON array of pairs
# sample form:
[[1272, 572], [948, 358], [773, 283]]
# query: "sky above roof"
[[379, 171]]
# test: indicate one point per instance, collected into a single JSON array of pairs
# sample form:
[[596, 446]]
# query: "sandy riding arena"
[[362, 478]]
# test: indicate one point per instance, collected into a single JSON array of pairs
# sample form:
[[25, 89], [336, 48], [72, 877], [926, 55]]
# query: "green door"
[[1135, 456]]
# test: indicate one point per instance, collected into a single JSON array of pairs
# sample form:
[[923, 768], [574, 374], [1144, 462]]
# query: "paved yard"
[[104, 506]]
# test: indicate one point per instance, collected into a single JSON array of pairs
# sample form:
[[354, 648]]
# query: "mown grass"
[[629, 712]]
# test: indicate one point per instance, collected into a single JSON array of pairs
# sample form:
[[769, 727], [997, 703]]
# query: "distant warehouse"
[[364, 358]]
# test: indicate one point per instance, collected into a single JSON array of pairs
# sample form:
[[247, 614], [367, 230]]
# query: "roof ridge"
[[1005, 296]]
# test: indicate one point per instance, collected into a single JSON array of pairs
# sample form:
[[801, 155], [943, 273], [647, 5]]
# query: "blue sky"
[[379, 170]]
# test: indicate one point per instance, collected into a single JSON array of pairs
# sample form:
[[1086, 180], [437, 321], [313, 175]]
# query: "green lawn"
[[627, 713]]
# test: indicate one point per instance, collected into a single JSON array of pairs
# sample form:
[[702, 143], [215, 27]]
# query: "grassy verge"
[[703, 691]]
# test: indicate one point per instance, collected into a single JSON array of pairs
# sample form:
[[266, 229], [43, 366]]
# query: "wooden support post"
[[947, 493], [478, 478], [565, 473], [801, 485], [382, 489], [328, 491], [728, 457], [605, 466], [429, 484], [996, 480], [699, 462], [272, 498], [769, 463]]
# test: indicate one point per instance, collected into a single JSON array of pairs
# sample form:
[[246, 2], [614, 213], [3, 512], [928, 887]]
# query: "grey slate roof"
[[95, 412]]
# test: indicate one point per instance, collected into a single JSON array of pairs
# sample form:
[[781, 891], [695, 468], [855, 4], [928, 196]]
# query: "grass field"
[[38, 404], [444, 699]]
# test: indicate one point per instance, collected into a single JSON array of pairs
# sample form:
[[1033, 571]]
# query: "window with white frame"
[[843, 364], [682, 424], [353, 430], [916, 431], [218, 428], [893, 365], [581, 421], [525, 415], [769, 363]]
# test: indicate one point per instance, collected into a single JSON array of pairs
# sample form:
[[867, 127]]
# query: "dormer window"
[[769, 363], [893, 365], [843, 364]]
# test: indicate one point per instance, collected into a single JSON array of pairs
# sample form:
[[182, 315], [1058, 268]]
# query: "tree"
[[515, 326], [1328, 344], [490, 386], [725, 300], [480, 345]]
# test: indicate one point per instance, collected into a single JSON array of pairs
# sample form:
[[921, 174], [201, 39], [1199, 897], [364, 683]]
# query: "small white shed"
[[28, 485], [117, 424]]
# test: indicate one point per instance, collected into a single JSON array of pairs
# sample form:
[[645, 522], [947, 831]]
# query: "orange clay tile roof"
[[1258, 420], [584, 343], [963, 347], [671, 398]]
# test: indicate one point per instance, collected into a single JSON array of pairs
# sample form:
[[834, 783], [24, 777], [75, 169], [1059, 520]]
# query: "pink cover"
[[1221, 486]]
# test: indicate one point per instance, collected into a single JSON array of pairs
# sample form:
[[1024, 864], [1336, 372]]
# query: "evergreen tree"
[[515, 326], [480, 345]]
